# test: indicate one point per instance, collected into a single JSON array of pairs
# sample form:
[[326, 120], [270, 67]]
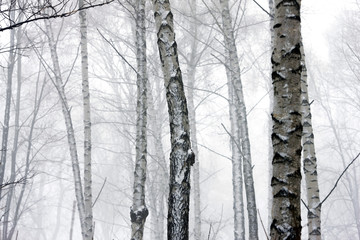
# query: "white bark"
[[89, 230], [181, 155], [309, 161], [240, 133], [139, 211], [69, 127], [287, 127]]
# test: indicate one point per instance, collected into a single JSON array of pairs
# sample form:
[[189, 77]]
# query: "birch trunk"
[[309, 160], [10, 69], [287, 128], [14, 151], [89, 229], [69, 127], [181, 155], [240, 132], [271, 105], [139, 211]]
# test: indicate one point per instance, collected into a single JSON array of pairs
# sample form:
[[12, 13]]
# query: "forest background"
[[331, 38]]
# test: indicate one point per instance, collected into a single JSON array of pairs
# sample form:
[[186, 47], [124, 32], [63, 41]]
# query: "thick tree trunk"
[[89, 229], [309, 160], [240, 132], [181, 155], [69, 128], [139, 211], [287, 128]]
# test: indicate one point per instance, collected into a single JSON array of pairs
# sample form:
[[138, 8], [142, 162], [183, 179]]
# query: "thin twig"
[[56, 15], [102, 187], [263, 9], [112, 45], [305, 205], [337, 181], [262, 224], [209, 231]]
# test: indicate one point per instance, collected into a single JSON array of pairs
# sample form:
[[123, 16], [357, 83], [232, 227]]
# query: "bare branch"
[[337, 181]]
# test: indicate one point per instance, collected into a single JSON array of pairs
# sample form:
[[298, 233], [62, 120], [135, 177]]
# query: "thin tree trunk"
[[192, 64], [139, 211], [181, 155], [242, 140], [309, 161], [72, 220], [11, 63], [89, 231], [69, 127], [287, 127], [37, 103], [15, 143], [271, 105]]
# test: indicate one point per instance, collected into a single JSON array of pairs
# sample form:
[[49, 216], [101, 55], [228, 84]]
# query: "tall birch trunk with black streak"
[[60, 87], [89, 229], [241, 133], [9, 197], [139, 211], [181, 155], [192, 63], [10, 69], [271, 105], [287, 127], [309, 160]]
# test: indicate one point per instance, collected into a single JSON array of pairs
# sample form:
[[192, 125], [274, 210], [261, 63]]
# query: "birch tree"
[[240, 136], [89, 231], [66, 110], [139, 211], [309, 161], [286, 115], [181, 155]]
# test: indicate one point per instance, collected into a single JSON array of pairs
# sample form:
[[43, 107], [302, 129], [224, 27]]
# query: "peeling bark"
[[139, 211], [181, 155], [287, 127]]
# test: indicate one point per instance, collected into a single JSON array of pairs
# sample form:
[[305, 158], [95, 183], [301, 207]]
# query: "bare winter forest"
[[179, 119]]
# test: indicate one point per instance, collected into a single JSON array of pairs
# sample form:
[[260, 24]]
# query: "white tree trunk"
[[287, 127], [309, 160], [69, 127], [241, 135], [89, 230], [181, 155], [139, 211]]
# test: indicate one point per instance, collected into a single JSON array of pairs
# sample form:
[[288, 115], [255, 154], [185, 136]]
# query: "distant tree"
[[240, 142]]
